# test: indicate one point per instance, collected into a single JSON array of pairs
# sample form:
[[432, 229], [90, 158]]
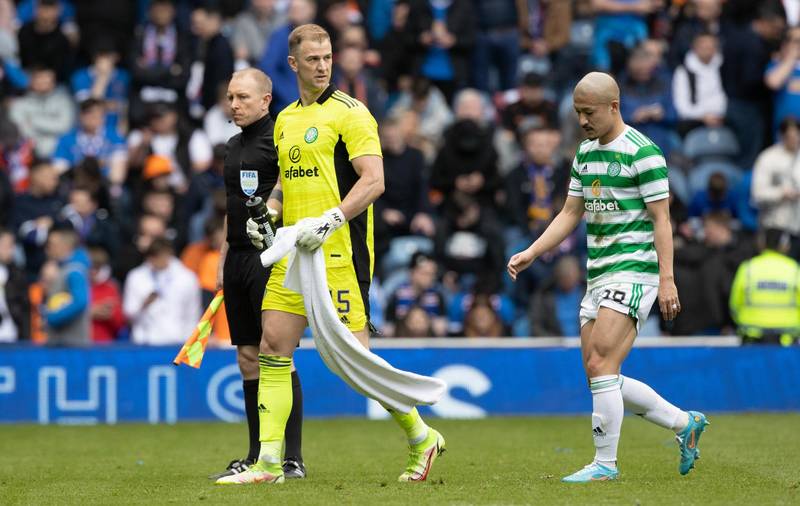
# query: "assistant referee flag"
[[193, 349]]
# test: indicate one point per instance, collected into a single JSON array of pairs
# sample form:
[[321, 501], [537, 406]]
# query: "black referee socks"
[[250, 388]]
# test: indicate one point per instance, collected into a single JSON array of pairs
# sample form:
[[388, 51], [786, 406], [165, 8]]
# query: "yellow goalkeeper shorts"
[[350, 298]]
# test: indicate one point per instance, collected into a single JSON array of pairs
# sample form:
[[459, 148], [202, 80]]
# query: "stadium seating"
[[401, 249], [711, 150]]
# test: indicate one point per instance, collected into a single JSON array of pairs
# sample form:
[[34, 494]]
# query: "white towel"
[[345, 356]]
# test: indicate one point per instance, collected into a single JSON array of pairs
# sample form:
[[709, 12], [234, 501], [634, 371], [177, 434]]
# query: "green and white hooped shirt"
[[616, 180]]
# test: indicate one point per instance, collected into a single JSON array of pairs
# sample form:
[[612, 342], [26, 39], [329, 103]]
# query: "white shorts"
[[632, 299]]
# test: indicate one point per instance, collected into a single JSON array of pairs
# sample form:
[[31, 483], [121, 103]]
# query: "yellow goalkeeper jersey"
[[315, 145]]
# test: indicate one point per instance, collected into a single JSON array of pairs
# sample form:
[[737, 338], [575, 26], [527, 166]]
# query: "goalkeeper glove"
[[258, 239], [312, 232]]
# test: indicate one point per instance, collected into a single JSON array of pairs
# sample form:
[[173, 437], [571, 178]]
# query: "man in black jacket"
[[35, 212], [746, 52], [704, 272], [160, 61], [404, 207], [42, 43], [214, 53]]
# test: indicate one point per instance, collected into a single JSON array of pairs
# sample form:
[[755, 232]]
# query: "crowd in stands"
[[114, 119]]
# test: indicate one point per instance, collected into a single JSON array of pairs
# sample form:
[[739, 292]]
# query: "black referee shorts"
[[244, 281]]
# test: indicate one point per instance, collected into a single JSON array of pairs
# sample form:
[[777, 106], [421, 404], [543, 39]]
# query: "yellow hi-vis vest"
[[765, 296]]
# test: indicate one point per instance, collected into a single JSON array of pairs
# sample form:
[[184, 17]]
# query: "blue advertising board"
[[140, 384]]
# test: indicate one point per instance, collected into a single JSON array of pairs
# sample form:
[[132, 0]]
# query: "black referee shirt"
[[248, 155]]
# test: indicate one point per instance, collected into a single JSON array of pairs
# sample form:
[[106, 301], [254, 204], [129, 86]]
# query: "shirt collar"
[[255, 127], [326, 94], [322, 98]]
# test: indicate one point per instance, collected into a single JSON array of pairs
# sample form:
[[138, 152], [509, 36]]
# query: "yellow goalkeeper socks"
[[274, 403], [413, 425]]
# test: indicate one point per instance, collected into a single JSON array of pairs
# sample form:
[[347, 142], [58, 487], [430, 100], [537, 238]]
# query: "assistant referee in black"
[[251, 168]]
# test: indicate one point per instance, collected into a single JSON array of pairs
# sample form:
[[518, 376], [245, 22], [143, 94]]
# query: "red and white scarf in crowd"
[[167, 42]]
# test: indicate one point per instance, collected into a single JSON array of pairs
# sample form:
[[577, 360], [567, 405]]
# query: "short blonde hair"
[[306, 32], [262, 80]]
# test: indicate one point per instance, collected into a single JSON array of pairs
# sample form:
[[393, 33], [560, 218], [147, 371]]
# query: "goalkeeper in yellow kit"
[[331, 171]]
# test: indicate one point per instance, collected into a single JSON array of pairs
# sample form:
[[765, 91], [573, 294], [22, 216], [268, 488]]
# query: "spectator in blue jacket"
[[420, 290], [715, 198], [66, 286], [93, 137], [444, 36], [619, 26], [783, 78], [273, 62], [27, 8], [104, 80], [647, 98], [379, 18]]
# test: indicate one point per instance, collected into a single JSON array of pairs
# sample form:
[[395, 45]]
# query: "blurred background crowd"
[[114, 120]]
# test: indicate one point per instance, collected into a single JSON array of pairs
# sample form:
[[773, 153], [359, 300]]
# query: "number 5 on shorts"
[[342, 300]]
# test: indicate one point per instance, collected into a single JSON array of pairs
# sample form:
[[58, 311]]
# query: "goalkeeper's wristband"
[[335, 217]]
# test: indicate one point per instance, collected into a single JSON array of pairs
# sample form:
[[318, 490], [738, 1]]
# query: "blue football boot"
[[688, 440], [593, 472]]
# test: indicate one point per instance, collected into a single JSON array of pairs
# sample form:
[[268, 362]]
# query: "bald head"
[[468, 104], [596, 88], [596, 101], [261, 80]]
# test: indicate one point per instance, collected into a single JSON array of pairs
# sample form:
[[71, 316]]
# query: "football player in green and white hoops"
[[619, 181]]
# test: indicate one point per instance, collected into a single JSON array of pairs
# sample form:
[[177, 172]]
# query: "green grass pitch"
[[746, 459]]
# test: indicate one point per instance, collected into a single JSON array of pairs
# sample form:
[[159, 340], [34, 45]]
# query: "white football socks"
[[607, 412], [645, 402]]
